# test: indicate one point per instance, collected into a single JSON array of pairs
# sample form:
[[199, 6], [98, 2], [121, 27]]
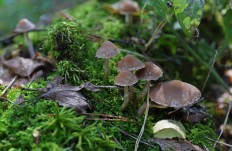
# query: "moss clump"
[[66, 39], [70, 71], [199, 134]]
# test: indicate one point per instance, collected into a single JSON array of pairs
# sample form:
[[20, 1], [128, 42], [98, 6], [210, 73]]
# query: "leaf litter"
[[65, 94], [26, 69]]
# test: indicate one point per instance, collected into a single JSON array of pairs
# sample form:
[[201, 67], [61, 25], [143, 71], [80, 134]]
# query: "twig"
[[42, 90], [109, 119], [133, 52], [210, 69], [134, 137], [224, 124], [103, 86], [225, 144], [2, 98], [104, 115], [119, 144], [9, 85], [10, 38], [154, 35], [144, 122]]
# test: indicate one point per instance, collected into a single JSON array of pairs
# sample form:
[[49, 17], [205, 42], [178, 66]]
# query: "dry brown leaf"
[[68, 98], [22, 66], [177, 145], [68, 95]]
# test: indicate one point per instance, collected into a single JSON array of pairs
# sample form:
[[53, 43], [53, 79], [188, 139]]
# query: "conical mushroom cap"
[[107, 50], [130, 63], [24, 25], [150, 72], [174, 94], [125, 78]]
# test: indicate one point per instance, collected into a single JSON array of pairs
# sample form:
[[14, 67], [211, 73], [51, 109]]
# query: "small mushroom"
[[175, 94], [130, 63], [125, 79], [107, 51], [24, 26], [150, 72], [128, 8]]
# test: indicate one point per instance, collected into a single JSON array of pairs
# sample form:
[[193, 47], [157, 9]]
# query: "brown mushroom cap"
[[107, 50], [128, 7], [150, 72], [24, 25], [125, 7], [125, 78], [174, 94], [130, 63]]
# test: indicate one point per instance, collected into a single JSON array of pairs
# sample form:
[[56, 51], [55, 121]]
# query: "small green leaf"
[[227, 24], [169, 129], [188, 14]]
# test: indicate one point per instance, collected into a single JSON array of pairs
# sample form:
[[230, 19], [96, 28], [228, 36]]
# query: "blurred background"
[[13, 10]]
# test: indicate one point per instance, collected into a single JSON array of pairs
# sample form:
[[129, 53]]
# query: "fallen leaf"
[[68, 98], [22, 66], [169, 129], [68, 95], [177, 145]]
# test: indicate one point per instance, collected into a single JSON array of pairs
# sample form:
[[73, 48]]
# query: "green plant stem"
[[201, 60]]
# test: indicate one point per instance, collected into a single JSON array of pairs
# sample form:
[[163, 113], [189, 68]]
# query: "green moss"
[[199, 134], [70, 71], [66, 40]]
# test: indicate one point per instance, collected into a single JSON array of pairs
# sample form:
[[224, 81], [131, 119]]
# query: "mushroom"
[[150, 72], [125, 79], [24, 26], [107, 51], [128, 8], [175, 94], [130, 63]]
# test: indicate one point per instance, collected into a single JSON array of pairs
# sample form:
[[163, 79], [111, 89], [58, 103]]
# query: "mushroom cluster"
[[128, 64], [174, 93]]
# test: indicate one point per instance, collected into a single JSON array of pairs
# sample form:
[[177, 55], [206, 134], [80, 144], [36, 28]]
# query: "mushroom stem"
[[142, 109], [145, 90], [107, 69], [128, 18], [29, 45], [126, 98]]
